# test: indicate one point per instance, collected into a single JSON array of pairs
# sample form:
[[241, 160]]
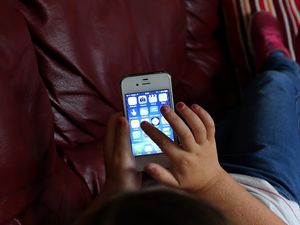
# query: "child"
[[257, 180]]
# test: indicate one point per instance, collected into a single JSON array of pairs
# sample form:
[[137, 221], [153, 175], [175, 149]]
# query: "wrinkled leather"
[[61, 66], [26, 125]]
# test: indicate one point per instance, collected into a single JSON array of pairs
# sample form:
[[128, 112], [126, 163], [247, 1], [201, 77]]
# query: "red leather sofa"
[[61, 62]]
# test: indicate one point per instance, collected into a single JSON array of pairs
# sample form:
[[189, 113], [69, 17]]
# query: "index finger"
[[171, 149]]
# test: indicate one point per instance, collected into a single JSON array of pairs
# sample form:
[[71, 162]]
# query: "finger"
[[193, 121], [164, 142], [161, 175], [122, 140], [207, 121], [110, 136], [183, 132]]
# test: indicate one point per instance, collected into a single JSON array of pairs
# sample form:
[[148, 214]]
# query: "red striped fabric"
[[237, 17]]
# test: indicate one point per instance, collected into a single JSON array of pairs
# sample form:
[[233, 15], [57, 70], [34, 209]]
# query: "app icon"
[[148, 148], [135, 123], [154, 146], [137, 149], [155, 121], [163, 120], [132, 101], [144, 111], [163, 97], [152, 98], [154, 109], [142, 99], [136, 134], [157, 150], [166, 131], [133, 112], [146, 137]]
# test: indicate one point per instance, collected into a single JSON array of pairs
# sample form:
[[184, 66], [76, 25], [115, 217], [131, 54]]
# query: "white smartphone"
[[143, 96]]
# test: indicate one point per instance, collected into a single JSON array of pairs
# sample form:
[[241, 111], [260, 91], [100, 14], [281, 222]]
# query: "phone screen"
[[145, 106]]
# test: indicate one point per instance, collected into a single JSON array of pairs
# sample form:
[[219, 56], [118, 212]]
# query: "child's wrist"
[[220, 180]]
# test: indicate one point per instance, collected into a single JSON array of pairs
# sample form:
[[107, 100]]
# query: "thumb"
[[123, 148], [161, 174]]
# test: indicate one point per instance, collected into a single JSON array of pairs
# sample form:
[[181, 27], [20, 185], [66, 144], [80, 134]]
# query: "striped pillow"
[[237, 15]]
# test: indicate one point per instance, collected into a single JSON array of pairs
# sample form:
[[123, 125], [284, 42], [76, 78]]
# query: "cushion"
[[237, 16], [84, 51], [26, 127], [64, 60]]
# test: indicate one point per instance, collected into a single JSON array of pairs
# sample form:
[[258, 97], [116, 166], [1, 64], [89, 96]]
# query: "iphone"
[[143, 96]]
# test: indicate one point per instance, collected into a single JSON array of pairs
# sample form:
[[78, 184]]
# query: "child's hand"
[[194, 163], [121, 174]]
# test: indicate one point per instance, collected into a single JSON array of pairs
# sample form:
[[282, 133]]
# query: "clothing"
[[287, 210], [261, 138]]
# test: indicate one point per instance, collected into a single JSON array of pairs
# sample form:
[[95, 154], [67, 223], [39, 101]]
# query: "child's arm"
[[195, 167]]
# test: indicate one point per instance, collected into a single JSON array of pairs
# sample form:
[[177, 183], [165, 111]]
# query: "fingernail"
[[180, 105], [164, 109], [195, 106]]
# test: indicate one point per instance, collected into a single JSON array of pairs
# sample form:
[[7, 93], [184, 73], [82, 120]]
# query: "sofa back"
[[61, 66]]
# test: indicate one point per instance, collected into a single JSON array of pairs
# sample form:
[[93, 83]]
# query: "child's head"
[[157, 207]]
